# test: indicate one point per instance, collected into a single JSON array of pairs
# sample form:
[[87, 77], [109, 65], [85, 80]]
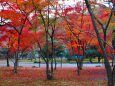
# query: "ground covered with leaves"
[[63, 77]]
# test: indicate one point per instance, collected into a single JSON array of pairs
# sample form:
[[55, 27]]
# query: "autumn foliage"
[[26, 25], [29, 76]]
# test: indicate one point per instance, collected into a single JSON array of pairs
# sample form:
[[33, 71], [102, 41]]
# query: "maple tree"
[[109, 69], [78, 30], [102, 24], [27, 23], [22, 10], [41, 19]]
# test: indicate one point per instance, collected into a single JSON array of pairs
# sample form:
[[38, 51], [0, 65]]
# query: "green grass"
[[86, 60]]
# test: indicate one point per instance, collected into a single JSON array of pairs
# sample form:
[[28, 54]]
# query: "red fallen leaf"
[[59, 74]]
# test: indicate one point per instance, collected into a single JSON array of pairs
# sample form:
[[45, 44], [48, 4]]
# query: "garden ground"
[[93, 76]]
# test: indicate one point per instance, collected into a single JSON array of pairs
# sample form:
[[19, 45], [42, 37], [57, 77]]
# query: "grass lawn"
[[86, 60], [63, 77]]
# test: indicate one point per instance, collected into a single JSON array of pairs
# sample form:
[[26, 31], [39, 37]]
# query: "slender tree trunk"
[[113, 75], [17, 55], [61, 62], [104, 32], [55, 63], [8, 54], [52, 66], [78, 68], [53, 52], [8, 62], [15, 66], [15, 63], [39, 62], [90, 59], [47, 59], [7, 58], [52, 69], [47, 70], [81, 63]]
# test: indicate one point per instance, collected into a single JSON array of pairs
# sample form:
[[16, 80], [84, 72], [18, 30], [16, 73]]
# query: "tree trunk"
[[39, 62], [7, 58], [49, 73], [109, 73], [113, 75], [78, 67], [52, 65], [17, 54], [52, 69], [61, 62], [15, 63], [81, 64], [55, 63], [90, 59]]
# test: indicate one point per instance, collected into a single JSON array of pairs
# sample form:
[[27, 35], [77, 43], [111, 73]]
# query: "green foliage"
[[4, 50], [59, 52], [92, 52], [66, 53]]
